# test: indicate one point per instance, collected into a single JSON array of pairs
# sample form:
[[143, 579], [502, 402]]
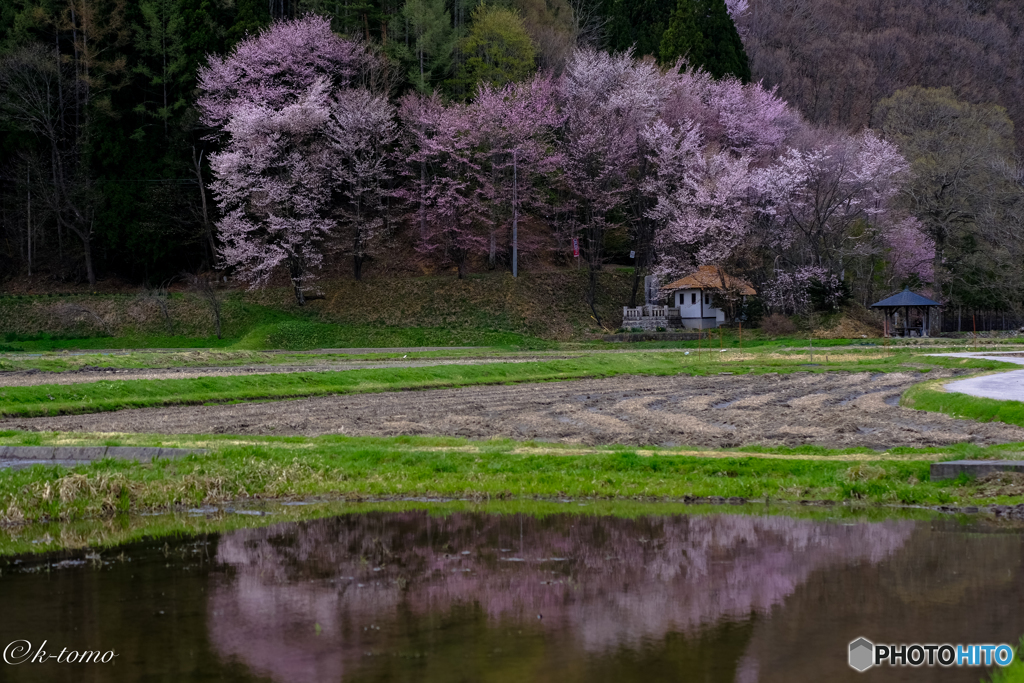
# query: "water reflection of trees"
[[305, 601]]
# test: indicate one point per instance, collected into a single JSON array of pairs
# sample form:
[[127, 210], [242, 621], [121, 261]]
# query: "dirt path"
[[838, 410], [26, 378]]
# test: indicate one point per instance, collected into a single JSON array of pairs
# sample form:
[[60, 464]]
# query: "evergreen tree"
[[158, 40], [723, 50], [703, 32], [637, 24], [250, 17], [683, 37], [426, 27]]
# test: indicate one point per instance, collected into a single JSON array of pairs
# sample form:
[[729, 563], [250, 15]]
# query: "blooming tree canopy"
[[363, 133], [816, 196], [296, 126], [607, 101], [439, 145], [693, 170], [514, 130], [276, 67]]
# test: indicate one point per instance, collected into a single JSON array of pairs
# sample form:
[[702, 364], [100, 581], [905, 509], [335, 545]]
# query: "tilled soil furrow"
[[837, 410]]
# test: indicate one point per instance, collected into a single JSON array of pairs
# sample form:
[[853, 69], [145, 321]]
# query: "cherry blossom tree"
[[471, 160], [790, 291], [514, 127], [831, 201], [709, 140], [277, 67], [362, 136], [702, 200], [607, 100], [447, 201], [911, 252], [273, 186], [295, 125]]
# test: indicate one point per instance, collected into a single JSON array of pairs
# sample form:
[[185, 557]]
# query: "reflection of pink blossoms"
[[601, 584]]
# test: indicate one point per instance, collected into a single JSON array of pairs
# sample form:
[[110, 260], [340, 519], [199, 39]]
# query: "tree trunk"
[[197, 161], [357, 266], [296, 273], [87, 248]]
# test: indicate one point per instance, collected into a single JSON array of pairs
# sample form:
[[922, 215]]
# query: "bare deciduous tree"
[[205, 285]]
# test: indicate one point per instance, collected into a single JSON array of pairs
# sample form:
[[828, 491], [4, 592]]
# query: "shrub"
[[777, 325]]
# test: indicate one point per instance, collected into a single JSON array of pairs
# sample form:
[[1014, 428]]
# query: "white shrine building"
[[691, 302]]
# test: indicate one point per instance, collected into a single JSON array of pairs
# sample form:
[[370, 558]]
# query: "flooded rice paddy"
[[428, 596]]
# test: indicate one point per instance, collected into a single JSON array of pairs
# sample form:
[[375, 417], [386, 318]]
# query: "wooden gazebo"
[[909, 303]]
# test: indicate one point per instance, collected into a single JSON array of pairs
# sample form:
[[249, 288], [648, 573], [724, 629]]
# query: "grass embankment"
[[93, 397], [292, 335], [931, 396], [356, 468], [490, 309]]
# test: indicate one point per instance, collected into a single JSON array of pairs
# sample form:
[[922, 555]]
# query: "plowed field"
[[836, 410]]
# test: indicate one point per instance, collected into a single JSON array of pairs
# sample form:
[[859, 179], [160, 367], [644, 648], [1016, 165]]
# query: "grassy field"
[[245, 470], [931, 396], [92, 397], [358, 468], [293, 335]]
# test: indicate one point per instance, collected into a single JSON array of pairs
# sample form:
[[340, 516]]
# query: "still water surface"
[[467, 596]]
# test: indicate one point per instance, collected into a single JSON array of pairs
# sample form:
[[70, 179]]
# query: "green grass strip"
[[94, 397], [927, 397], [358, 468]]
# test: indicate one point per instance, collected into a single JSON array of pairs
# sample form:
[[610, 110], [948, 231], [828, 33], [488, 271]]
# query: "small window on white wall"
[[707, 299], [693, 299]]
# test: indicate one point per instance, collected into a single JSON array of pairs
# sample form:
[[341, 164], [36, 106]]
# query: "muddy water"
[[482, 597]]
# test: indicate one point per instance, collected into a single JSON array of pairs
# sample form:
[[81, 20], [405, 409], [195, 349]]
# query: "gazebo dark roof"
[[905, 298]]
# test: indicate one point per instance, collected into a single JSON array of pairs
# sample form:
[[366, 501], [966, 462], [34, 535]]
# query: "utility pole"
[[515, 216], [28, 221]]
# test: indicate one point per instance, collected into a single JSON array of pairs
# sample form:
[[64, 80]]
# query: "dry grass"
[[849, 327], [1000, 484], [865, 473]]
